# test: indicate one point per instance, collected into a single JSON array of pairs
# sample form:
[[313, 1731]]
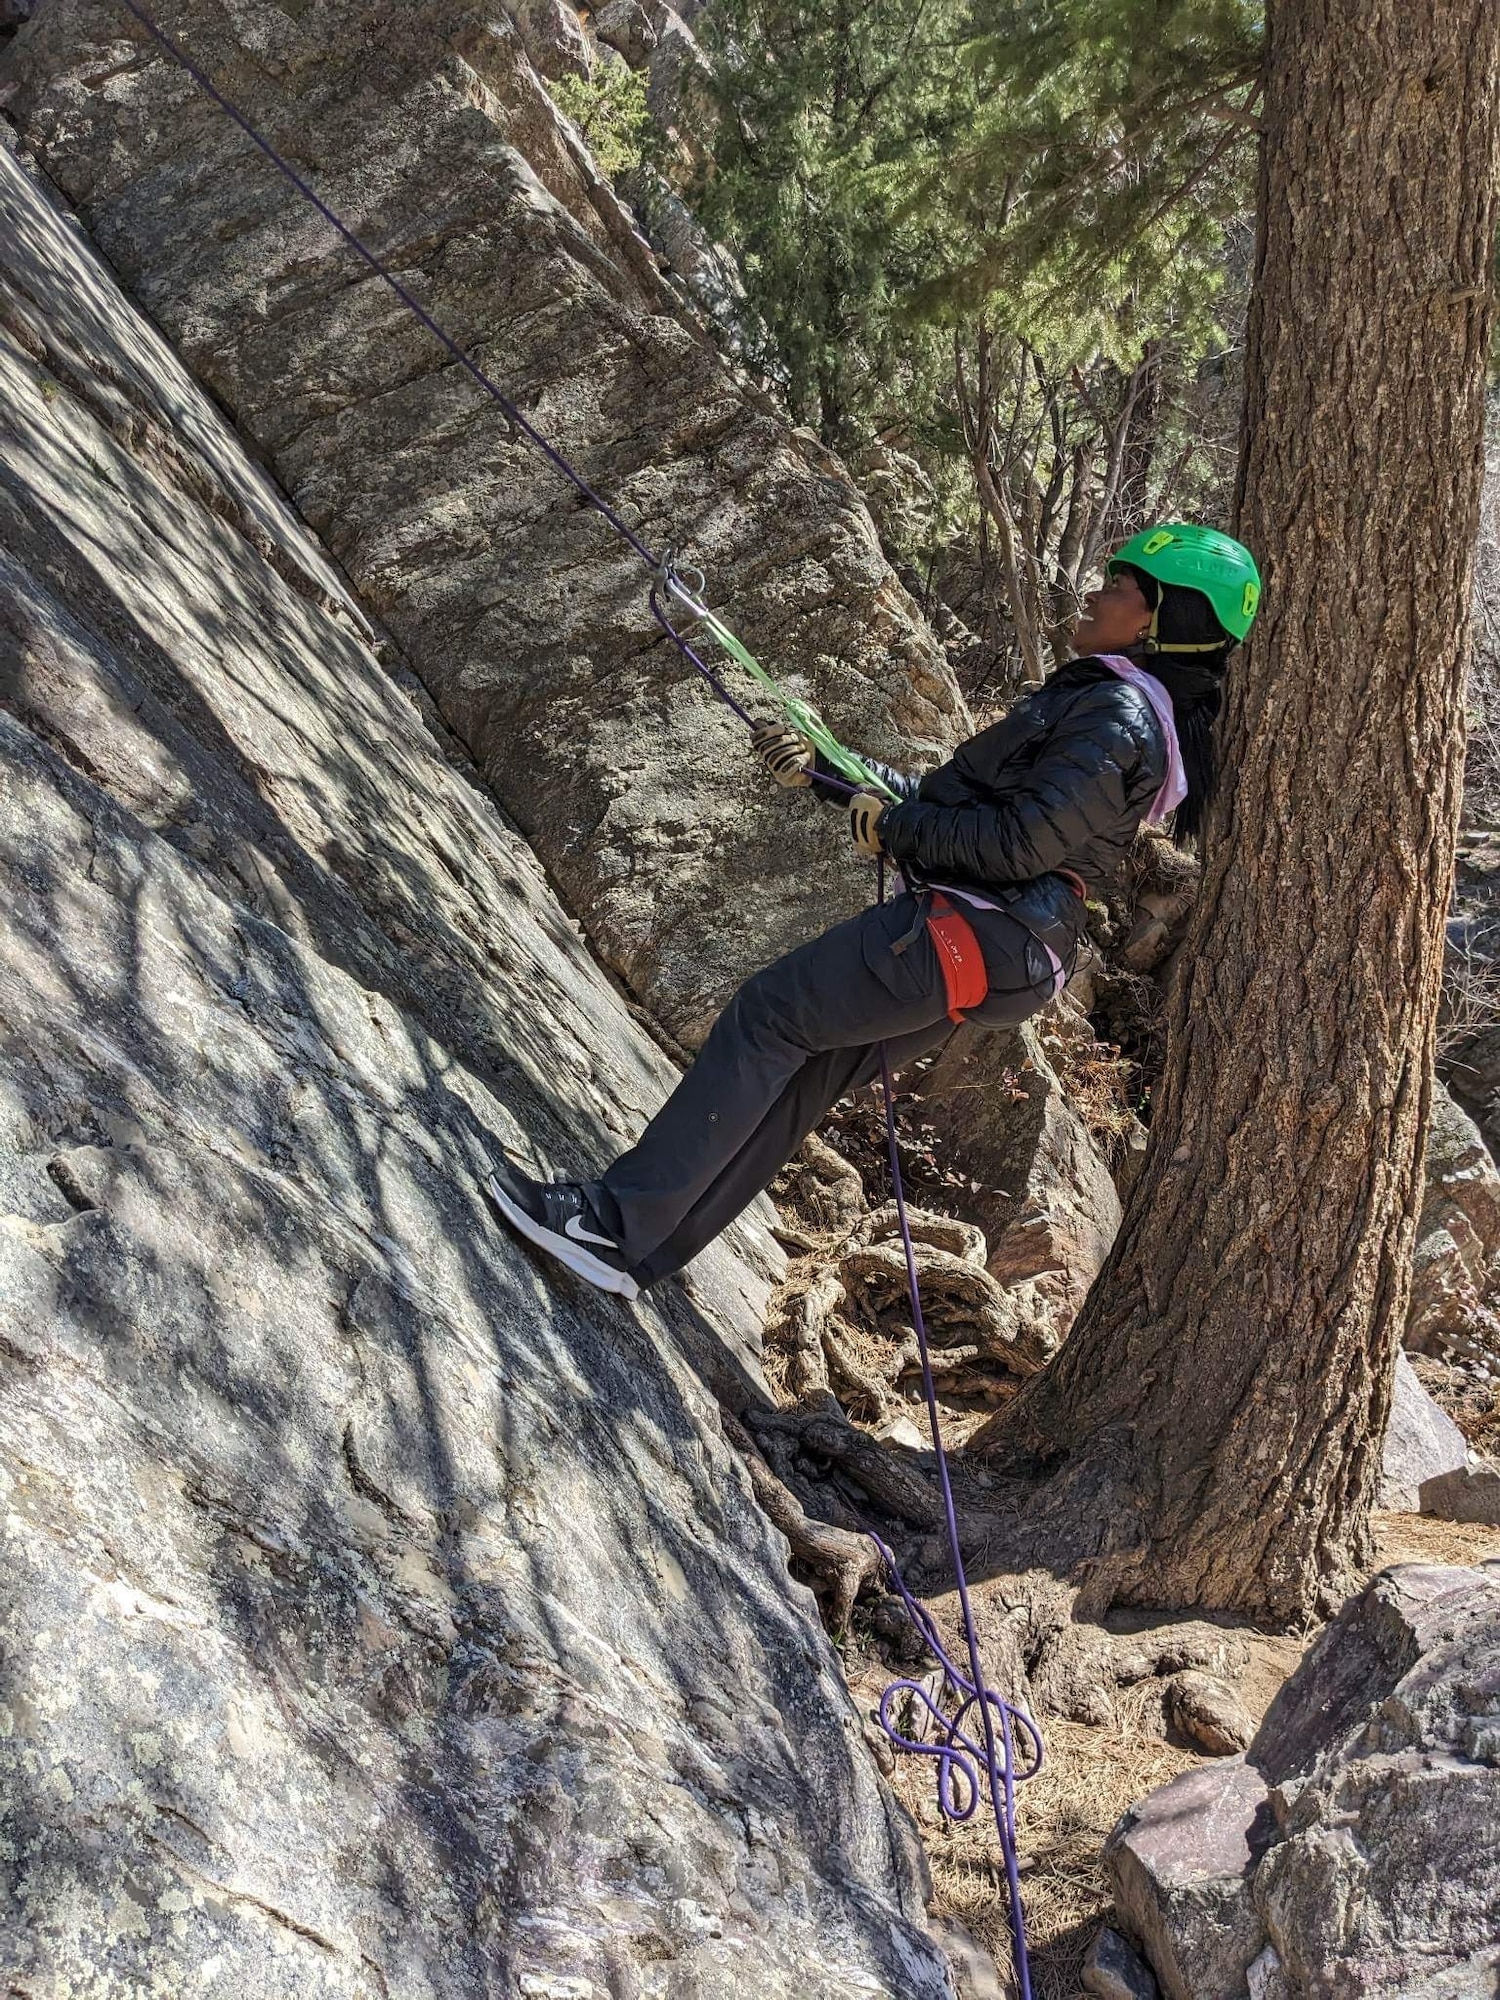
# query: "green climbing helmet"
[[1217, 566]]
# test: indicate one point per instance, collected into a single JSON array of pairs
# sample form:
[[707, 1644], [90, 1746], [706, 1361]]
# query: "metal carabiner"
[[686, 582]]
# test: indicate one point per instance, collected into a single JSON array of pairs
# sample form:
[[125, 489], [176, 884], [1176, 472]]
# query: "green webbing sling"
[[805, 720]]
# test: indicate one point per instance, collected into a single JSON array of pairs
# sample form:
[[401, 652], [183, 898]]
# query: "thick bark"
[[1219, 1406]]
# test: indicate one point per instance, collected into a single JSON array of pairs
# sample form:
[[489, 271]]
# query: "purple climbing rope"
[[956, 1753], [967, 1766], [519, 425]]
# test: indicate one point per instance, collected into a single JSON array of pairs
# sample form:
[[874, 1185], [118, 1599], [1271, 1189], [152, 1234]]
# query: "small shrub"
[[609, 109]]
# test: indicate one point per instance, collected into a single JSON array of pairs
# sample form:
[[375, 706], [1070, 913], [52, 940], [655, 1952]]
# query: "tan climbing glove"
[[865, 809], [788, 756]]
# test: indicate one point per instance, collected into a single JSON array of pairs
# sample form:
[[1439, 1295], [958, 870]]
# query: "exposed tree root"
[[849, 1561], [836, 1335], [957, 1297], [826, 1437], [1046, 1557], [802, 1331], [868, 1388]]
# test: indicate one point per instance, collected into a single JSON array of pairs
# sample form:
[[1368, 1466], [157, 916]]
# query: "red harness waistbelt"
[[965, 978]]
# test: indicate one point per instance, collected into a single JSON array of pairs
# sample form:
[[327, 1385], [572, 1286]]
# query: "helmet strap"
[[1149, 642], [1152, 644]]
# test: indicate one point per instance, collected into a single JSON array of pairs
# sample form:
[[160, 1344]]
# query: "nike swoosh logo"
[[574, 1227]]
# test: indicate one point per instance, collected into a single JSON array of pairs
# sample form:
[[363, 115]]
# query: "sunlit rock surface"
[[427, 127], [378, 1617]]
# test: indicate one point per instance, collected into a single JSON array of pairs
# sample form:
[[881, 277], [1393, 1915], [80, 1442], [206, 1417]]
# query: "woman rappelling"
[[997, 849]]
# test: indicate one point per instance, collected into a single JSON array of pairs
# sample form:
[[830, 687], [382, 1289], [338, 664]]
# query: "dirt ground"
[[1093, 1775]]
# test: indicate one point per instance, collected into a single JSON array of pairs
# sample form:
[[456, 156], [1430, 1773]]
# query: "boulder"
[[1385, 1749], [1457, 1255], [1038, 1185], [1422, 1443], [1354, 1852], [522, 612], [1180, 1865], [1471, 1071], [977, 1975], [1467, 1493], [1266, 1977], [381, 1611], [1469, 1037], [1115, 1970], [1149, 904], [1209, 1711], [1377, 1641]]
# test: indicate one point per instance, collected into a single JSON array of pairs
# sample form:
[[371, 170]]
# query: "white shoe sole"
[[577, 1256]]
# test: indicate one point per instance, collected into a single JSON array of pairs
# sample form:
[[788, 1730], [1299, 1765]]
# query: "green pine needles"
[[1062, 168], [1005, 236], [609, 109]]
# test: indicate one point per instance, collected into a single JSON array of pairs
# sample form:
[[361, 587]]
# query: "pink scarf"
[[1174, 786]]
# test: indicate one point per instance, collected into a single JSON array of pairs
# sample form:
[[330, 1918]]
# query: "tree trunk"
[[1214, 1422], [1141, 440]]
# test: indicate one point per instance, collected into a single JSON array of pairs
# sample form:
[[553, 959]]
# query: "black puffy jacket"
[[1062, 780]]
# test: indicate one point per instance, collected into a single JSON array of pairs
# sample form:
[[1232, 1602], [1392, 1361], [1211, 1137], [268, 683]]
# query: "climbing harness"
[[969, 1759], [960, 955], [965, 977]]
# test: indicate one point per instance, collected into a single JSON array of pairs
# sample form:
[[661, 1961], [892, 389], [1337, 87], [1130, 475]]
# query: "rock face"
[[552, 36], [707, 272], [378, 1617], [626, 27], [1354, 1854], [527, 619]]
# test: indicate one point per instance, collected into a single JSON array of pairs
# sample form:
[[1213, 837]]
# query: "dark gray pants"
[[793, 1040]]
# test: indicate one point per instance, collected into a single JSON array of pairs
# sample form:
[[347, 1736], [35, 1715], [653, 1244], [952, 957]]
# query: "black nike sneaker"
[[556, 1217]]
